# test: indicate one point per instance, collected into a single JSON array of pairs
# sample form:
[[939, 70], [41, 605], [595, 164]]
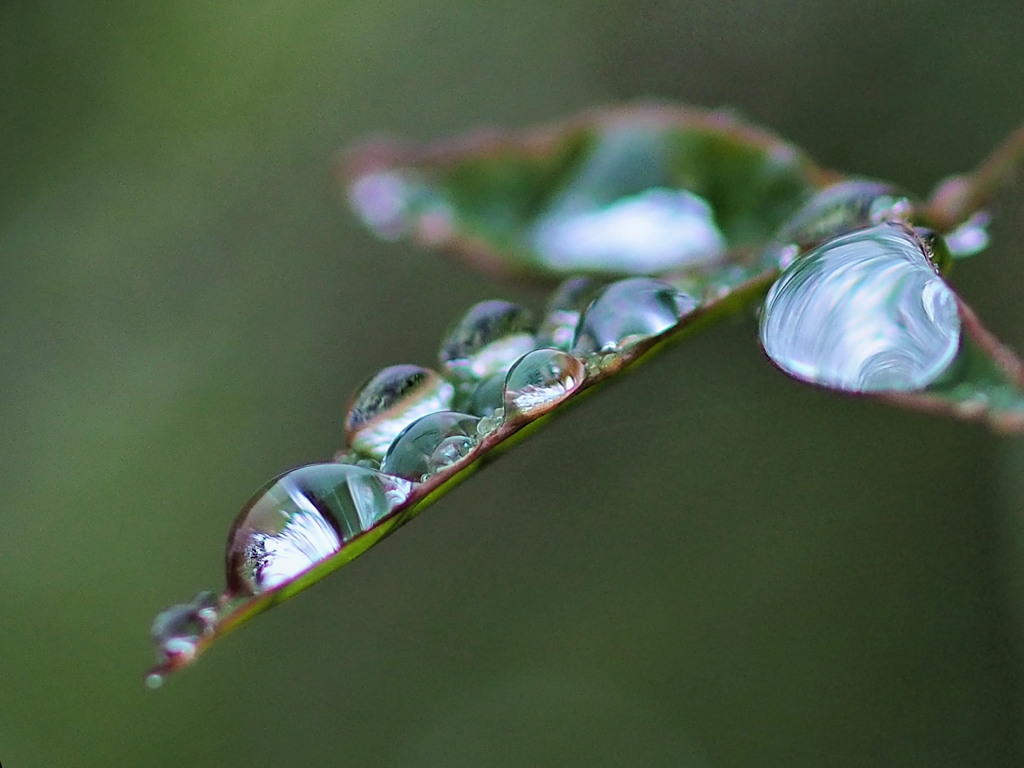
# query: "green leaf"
[[482, 199]]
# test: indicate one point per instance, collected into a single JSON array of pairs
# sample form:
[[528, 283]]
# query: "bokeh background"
[[708, 565]]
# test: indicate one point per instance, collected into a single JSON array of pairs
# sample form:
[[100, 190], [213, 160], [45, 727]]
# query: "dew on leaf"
[[487, 340], [303, 517], [540, 379], [629, 311], [177, 630], [865, 312], [389, 402], [487, 396], [969, 238], [430, 444], [564, 308]]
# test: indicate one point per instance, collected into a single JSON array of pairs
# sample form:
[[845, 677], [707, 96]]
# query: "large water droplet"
[[627, 312], [303, 517], [487, 340], [540, 379], [177, 630], [563, 311], [391, 401], [836, 210], [865, 312], [430, 444]]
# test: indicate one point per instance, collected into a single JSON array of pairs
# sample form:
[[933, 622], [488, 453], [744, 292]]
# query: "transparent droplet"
[[487, 340], [177, 630], [629, 311], [865, 312], [487, 396], [969, 238], [425, 445], [540, 379], [621, 211], [563, 311], [835, 210], [391, 401], [303, 517]]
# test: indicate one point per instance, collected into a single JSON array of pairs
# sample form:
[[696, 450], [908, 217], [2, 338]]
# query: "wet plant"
[[651, 222]]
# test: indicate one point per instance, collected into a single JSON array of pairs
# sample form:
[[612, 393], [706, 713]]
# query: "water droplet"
[[540, 379], [562, 314], [969, 238], [303, 517], [430, 444], [177, 630], [391, 401], [629, 311], [487, 340], [487, 396], [865, 312], [835, 210], [653, 231]]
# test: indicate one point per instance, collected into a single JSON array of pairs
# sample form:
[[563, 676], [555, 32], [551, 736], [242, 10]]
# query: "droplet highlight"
[[865, 312], [303, 517], [430, 444], [389, 402], [487, 340], [540, 380], [628, 312]]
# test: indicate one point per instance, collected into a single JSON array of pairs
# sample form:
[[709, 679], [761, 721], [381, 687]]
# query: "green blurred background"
[[706, 566]]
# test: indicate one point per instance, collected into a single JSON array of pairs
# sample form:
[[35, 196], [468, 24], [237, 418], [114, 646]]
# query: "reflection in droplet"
[[391, 401], [540, 379], [303, 517], [835, 210], [865, 312], [563, 311], [487, 340], [177, 630], [652, 231], [431, 444], [627, 312]]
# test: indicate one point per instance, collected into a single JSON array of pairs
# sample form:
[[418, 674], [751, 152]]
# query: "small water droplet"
[[562, 314], [487, 340], [425, 445], [487, 396], [303, 517], [652, 231], [391, 401], [489, 424], [969, 238], [627, 312], [865, 312], [541, 379], [835, 210], [177, 630]]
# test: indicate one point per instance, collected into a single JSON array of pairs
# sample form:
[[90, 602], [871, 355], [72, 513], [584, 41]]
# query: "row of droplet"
[[859, 306]]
